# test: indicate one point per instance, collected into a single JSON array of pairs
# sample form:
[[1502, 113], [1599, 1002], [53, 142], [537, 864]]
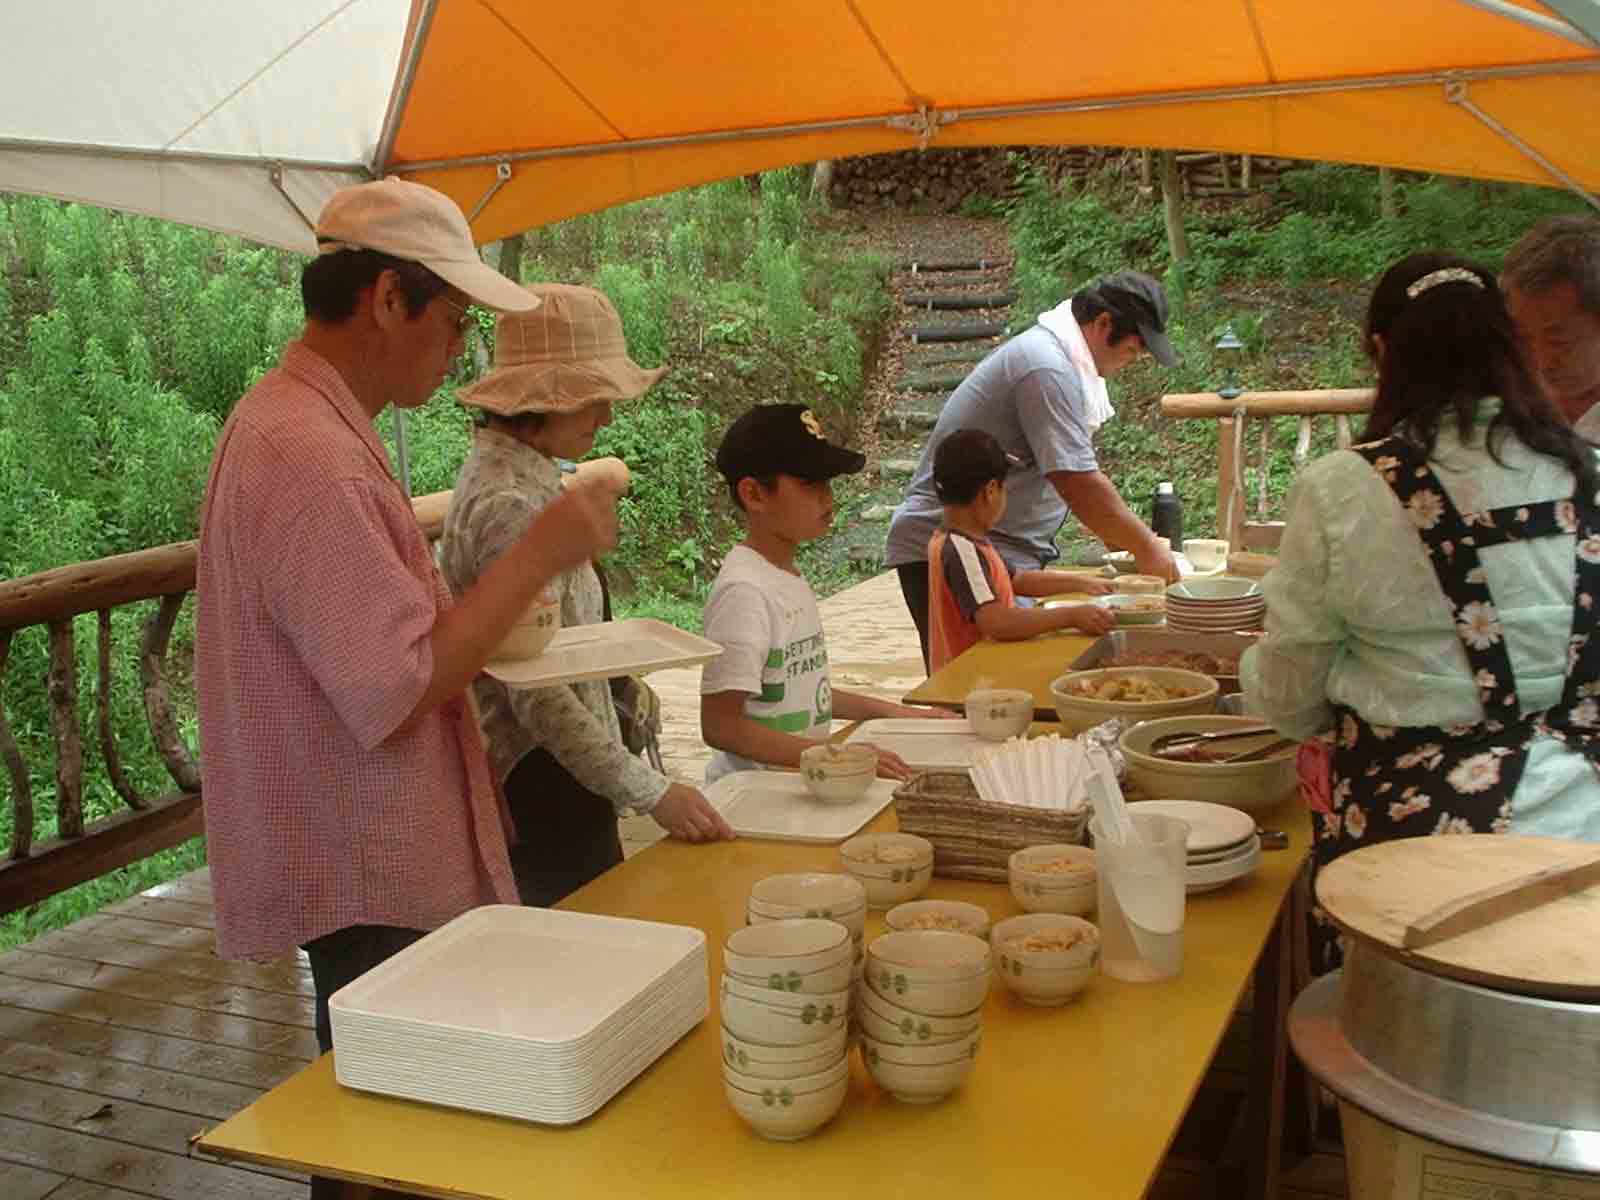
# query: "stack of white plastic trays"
[[531, 1013]]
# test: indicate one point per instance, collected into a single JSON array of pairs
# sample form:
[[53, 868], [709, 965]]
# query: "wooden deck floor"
[[124, 1035]]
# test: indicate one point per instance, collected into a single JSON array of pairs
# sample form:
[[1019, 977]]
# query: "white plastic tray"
[[606, 650], [928, 744], [775, 805]]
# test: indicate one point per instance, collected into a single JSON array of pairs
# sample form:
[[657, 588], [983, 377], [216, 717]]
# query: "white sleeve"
[[736, 619]]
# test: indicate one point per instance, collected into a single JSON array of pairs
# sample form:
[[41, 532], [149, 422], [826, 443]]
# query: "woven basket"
[[971, 838]]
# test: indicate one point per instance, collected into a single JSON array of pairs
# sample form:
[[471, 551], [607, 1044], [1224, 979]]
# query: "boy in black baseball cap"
[[970, 589], [768, 695]]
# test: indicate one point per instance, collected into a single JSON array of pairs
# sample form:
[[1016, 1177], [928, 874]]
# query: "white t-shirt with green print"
[[767, 623]]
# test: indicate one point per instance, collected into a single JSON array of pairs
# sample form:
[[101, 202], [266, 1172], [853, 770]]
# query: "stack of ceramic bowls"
[[892, 867], [785, 1013], [1222, 604], [921, 1011]]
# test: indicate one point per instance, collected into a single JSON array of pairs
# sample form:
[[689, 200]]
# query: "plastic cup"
[[1141, 898]]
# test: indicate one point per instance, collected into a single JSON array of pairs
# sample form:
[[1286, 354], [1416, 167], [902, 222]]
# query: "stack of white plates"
[[532, 1013], [1223, 845], [1222, 604]]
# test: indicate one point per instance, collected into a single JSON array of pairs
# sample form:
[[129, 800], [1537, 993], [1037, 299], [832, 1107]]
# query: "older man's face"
[[1562, 341]]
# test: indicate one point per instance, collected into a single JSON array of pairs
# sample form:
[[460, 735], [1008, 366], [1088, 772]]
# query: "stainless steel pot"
[[1511, 1076]]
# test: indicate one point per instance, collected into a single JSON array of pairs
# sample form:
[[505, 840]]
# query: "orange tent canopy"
[[245, 117]]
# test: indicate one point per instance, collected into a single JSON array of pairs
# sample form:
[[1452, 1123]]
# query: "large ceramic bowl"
[[781, 1062], [892, 867], [1253, 787], [838, 774], [1214, 589], [781, 1114], [929, 971], [1000, 713], [1037, 972], [1079, 712], [539, 623], [799, 946], [1053, 878], [953, 916]]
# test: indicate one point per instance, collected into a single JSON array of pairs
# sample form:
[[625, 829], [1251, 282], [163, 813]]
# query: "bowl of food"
[[531, 633], [799, 946], [781, 1062], [781, 1113], [1053, 878], [1086, 698], [892, 867], [1046, 958], [951, 916], [1140, 585], [1000, 713], [929, 971], [838, 774], [1202, 772], [1136, 608], [920, 1074]]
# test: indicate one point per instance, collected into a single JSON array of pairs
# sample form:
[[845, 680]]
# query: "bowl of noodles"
[[1086, 698]]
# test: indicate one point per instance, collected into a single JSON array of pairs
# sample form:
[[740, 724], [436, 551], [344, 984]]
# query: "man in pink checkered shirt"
[[348, 801]]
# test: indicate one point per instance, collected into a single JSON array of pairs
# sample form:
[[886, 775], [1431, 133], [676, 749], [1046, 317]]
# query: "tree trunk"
[[822, 183], [1172, 207], [508, 257], [1388, 204], [1146, 180]]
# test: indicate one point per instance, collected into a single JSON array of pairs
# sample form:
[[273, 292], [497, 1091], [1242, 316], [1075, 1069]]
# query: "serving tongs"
[[1182, 741]]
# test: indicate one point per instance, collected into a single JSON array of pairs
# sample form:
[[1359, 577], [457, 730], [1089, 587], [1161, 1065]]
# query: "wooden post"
[[108, 744], [1230, 516], [1388, 203], [21, 787], [62, 688], [1244, 172], [1146, 176], [157, 700], [1172, 207]]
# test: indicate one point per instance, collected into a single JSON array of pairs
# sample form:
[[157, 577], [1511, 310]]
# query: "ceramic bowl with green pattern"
[[909, 1028], [892, 867], [778, 949], [1056, 878], [781, 1062], [832, 896], [920, 1082], [1045, 958], [782, 1018], [929, 971], [824, 1076], [956, 916], [781, 1114]]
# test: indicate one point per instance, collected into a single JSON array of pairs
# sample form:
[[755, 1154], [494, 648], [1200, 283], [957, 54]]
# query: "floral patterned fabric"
[[1391, 781]]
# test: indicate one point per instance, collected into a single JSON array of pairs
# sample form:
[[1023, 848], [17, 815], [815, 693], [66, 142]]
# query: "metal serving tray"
[[1124, 641]]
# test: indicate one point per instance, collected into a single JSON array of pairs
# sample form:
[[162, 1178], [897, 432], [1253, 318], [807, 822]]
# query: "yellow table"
[[1082, 1100], [1030, 664]]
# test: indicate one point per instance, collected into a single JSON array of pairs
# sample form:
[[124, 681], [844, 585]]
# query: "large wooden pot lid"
[[1541, 941]]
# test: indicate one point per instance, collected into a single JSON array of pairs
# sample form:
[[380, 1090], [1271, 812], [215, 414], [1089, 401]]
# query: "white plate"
[[928, 744], [1211, 826], [606, 650], [1208, 877], [775, 805]]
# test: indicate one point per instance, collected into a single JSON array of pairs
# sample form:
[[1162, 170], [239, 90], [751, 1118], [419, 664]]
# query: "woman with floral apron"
[[1392, 775]]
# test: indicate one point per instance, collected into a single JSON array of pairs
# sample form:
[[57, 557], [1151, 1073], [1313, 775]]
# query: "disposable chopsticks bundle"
[[1043, 772]]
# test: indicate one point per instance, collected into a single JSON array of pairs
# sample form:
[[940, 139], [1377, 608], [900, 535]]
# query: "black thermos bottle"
[[1166, 516]]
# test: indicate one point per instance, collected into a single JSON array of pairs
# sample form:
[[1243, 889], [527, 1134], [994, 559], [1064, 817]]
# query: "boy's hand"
[[688, 816], [1090, 618], [890, 764]]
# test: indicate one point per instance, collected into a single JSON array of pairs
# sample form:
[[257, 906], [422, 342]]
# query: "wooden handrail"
[[1268, 404], [68, 591]]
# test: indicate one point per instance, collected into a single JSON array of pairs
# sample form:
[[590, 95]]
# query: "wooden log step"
[[963, 331], [939, 356], [957, 301], [945, 380], [993, 277], [936, 265], [912, 416]]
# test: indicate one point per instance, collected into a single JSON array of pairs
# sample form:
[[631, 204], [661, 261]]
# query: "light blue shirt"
[[1356, 617]]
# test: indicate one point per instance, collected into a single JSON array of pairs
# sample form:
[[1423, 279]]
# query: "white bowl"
[[1078, 712], [917, 1083], [531, 633], [836, 978], [838, 774], [854, 921], [800, 945], [1000, 713], [781, 1062], [902, 1025], [925, 1054], [956, 916], [807, 894], [783, 1115], [1040, 891], [825, 1076], [752, 1020], [929, 971], [1205, 554], [1046, 977], [1253, 787]]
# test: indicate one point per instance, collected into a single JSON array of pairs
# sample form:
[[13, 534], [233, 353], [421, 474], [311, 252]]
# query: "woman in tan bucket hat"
[[558, 369]]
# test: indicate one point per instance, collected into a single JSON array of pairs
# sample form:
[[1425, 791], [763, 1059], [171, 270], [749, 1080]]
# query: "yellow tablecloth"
[[1031, 664], [1082, 1100]]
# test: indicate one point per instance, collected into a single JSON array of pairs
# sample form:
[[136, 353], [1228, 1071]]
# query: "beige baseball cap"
[[415, 223]]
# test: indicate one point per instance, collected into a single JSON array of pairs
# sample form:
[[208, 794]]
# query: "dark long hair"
[[1445, 350]]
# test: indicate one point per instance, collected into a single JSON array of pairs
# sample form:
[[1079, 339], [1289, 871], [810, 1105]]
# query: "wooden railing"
[[1234, 520], [55, 599]]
